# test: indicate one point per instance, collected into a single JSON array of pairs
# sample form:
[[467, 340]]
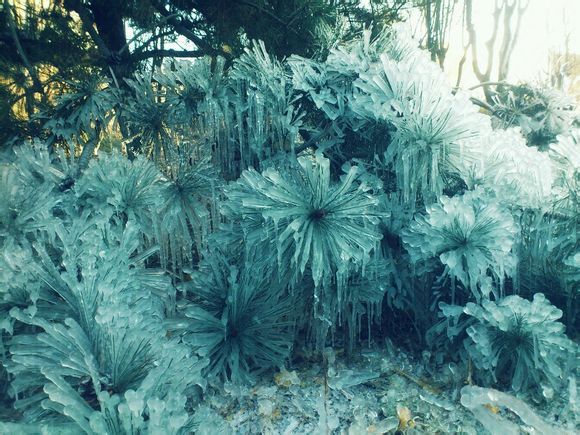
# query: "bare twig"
[[182, 28], [147, 54]]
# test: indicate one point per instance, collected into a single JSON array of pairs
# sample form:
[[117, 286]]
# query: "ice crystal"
[[479, 401]]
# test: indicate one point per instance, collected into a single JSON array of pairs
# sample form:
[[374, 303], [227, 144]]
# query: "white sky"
[[544, 27]]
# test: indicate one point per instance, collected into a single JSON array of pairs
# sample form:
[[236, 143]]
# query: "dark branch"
[[37, 85], [147, 54], [88, 23], [181, 27]]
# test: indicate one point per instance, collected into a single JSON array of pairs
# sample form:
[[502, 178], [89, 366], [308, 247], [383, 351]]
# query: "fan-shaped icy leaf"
[[238, 320], [61, 349], [126, 414], [472, 235], [86, 107], [99, 265], [519, 341], [36, 165], [330, 226], [329, 85]]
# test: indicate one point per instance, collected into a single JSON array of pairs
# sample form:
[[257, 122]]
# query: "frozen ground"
[[376, 391]]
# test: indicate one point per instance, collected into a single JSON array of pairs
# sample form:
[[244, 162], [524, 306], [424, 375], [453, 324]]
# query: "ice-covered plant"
[[542, 112], [431, 124], [472, 235], [192, 86], [115, 187], [326, 226], [148, 115], [329, 84], [238, 319], [97, 325], [519, 342], [309, 224], [81, 114], [565, 155], [502, 162], [343, 127], [265, 108], [188, 209], [26, 208]]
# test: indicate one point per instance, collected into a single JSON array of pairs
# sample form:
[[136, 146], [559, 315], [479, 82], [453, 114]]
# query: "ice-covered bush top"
[[329, 226], [519, 341], [471, 234], [502, 162]]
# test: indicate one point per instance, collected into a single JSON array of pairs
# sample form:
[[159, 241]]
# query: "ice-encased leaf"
[[478, 401]]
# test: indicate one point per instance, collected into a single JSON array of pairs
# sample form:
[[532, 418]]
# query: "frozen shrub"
[[471, 234], [565, 155], [105, 337], [431, 124], [326, 226], [239, 320], [116, 187], [540, 111], [502, 163], [519, 342], [313, 225], [188, 210]]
